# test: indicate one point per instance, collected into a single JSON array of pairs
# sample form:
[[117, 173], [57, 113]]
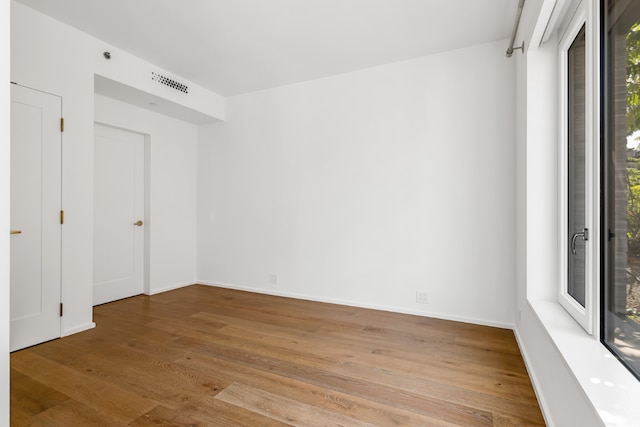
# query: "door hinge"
[[61, 124], [61, 309], [61, 217]]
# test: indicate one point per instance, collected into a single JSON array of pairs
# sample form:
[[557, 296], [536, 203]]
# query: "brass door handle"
[[16, 232], [138, 223]]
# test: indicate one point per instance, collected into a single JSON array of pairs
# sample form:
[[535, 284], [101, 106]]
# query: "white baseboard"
[[172, 287], [77, 329], [402, 310]]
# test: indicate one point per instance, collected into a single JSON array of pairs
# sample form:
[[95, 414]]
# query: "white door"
[[36, 150], [118, 246]]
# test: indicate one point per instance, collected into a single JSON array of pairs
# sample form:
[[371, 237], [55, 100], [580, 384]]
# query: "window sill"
[[612, 390]]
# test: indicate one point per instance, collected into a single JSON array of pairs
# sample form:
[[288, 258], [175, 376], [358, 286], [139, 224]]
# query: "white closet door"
[[36, 150]]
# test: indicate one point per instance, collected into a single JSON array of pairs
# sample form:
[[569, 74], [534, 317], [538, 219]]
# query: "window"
[[577, 176], [600, 176], [620, 299]]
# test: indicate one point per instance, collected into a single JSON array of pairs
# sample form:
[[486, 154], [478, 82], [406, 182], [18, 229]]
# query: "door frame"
[[147, 200]]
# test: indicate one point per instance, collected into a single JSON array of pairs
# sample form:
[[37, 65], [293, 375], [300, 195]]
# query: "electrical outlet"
[[273, 279], [422, 297]]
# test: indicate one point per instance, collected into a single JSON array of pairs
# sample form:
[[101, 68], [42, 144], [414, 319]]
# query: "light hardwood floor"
[[204, 356]]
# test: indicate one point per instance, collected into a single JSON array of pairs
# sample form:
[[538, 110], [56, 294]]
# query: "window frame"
[[588, 316]]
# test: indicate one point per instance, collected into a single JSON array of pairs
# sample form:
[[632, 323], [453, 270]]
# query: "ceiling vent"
[[167, 81]]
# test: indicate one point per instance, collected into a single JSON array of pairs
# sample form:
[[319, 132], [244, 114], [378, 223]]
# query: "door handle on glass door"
[[138, 223], [15, 232], [585, 236]]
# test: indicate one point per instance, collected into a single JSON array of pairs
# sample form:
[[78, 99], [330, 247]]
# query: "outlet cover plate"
[[422, 297]]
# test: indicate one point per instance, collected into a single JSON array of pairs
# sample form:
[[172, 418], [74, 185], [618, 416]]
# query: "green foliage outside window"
[[633, 204], [633, 125], [633, 173], [633, 79]]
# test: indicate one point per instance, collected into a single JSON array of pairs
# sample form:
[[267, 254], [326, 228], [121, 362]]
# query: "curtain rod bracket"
[[515, 31], [511, 49]]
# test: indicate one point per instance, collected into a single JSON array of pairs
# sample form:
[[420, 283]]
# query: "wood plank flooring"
[[205, 356]]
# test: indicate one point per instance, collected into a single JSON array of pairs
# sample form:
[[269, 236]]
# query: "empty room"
[[320, 213]]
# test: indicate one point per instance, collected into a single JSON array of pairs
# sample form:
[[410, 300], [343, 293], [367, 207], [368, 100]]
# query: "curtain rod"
[[510, 49]]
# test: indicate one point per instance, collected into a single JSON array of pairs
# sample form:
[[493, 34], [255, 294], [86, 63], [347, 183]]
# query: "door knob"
[[138, 223], [16, 232]]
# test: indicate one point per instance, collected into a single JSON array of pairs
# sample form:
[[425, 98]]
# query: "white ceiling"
[[238, 46]]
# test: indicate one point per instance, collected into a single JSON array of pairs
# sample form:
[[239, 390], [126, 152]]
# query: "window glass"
[[576, 156], [620, 329]]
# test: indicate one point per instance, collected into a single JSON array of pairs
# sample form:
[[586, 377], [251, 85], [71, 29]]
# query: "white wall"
[[48, 60], [62, 60], [365, 187], [4, 214]]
